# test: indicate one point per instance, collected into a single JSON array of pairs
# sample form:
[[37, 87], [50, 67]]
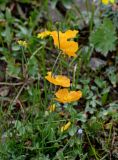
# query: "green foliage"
[[29, 130], [104, 37]]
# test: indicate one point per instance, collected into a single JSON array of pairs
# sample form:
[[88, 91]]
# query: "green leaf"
[[104, 38], [100, 82], [67, 3], [13, 69], [7, 34], [8, 15], [53, 3], [105, 93], [111, 73], [81, 117], [72, 130], [33, 67]]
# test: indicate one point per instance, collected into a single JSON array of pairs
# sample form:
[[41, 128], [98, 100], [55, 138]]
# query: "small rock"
[[96, 63], [4, 91]]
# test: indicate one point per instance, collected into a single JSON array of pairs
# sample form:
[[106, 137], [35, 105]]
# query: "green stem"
[[34, 53], [92, 17], [56, 61], [93, 149]]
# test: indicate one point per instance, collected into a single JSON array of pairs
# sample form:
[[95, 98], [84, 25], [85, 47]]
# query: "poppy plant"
[[65, 96], [58, 80]]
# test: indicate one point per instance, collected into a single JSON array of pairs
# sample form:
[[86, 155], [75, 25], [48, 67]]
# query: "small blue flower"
[[80, 131]]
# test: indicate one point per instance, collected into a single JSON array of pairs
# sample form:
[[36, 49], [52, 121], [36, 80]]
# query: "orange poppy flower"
[[61, 40], [58, 80], [66, 126], [64, 96]]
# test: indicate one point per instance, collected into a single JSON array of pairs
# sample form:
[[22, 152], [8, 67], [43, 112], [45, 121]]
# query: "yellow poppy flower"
[[69, 48], [58, 80], [60, 37], [65, 127], [61, 40], [108, 1], [22, 43], [52, 108], [64, 96], [70, 34], [43, 34]]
